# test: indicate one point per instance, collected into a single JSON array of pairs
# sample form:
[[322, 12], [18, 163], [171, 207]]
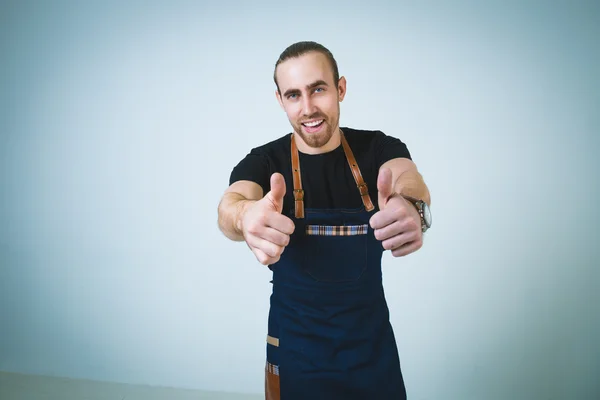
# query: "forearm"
[[231, 212], [411, 183]]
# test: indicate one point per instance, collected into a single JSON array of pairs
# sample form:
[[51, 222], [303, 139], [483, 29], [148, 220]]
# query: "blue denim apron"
[[329, 334]]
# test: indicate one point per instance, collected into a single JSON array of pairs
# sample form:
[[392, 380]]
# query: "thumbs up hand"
[[266, 231], [397, 224]]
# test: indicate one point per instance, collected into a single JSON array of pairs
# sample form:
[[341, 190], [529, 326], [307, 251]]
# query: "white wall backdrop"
[[119, 126]]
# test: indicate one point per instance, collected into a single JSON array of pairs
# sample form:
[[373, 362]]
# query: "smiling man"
[[319, 206]]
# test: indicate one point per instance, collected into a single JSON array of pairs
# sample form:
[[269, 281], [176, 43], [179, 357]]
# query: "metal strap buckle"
[[364, 190], [298, 194]]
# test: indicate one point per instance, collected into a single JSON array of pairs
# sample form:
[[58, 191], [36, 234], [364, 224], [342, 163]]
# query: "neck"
[[332, 144]]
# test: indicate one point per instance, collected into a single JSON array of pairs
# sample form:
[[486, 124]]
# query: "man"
[[319, 206]]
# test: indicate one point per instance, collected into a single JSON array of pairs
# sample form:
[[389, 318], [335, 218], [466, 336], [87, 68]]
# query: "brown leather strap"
[[360, 183], [298, 191]]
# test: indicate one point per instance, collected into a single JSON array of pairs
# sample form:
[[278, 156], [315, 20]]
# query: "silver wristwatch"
[[424, 212]]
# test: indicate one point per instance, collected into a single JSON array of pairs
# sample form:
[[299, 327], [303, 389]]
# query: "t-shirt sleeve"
[[254, 167], [388, 147]]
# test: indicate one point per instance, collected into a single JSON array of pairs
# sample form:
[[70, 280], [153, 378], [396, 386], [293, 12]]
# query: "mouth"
[[313, 126]]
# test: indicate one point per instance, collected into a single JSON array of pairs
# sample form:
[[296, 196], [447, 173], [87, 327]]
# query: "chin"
[[315, 140]]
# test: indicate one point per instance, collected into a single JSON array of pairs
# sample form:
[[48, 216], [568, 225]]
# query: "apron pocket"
[[336, 253], [272, 384]]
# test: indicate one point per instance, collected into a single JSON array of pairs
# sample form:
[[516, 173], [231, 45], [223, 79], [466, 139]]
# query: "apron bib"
[[329, 335]]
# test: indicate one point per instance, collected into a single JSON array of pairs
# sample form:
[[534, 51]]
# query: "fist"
[[265, 230], [397, 224]]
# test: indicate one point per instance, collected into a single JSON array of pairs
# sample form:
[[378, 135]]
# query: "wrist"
[[410, 184], [242, 207], [423, 210]]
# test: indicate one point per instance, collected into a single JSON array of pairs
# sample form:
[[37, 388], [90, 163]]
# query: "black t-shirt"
[[327, 179]]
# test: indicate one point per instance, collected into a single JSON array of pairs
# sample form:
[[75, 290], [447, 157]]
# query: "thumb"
[[277, 191], [385, 186]]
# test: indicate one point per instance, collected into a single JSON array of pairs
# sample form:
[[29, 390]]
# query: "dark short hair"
[[300, 48]]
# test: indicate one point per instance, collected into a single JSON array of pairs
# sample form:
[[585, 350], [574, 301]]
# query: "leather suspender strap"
[[360, 183], [298, 191]]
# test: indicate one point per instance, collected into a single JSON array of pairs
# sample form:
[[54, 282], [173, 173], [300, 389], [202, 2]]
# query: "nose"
[[308, 107]]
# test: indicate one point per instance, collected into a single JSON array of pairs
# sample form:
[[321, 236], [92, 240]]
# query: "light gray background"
[[120, 124]]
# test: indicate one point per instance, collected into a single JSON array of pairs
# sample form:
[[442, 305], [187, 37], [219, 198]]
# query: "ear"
[[278, 96], [342, 88]]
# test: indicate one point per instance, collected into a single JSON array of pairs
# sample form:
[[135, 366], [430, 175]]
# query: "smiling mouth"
[[313, 124]]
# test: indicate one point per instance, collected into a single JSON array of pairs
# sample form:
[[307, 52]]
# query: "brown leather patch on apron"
[[272, 391]]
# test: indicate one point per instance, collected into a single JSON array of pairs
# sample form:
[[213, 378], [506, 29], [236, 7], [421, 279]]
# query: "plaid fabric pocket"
[[272, 369], [272, 381], [332, 230]]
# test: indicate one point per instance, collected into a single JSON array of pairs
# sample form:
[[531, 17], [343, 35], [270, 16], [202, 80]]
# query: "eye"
[[292, 96], [318, 89]]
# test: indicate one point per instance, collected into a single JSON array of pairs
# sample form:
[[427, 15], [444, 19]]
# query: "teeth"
[[313, 124]]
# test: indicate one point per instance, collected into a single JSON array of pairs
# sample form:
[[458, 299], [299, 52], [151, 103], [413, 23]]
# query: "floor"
[[29, 387]]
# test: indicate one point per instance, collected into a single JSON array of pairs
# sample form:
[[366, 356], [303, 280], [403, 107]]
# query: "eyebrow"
[[311, 86]]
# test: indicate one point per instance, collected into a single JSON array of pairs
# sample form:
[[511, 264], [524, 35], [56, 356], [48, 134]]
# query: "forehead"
[[298, 72]]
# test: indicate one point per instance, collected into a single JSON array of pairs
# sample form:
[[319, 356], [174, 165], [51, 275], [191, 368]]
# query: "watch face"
[[427, 215]]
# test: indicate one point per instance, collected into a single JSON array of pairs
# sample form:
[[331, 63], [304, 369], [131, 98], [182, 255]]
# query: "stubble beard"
[[316, 140]]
